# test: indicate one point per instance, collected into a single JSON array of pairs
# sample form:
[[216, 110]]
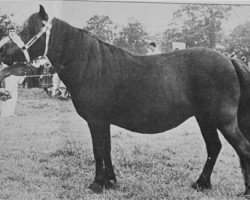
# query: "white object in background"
[[153, 49], [58, 85], [178, 45], [9, 106]]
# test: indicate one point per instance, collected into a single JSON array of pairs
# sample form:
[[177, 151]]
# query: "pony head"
[[14, 49]]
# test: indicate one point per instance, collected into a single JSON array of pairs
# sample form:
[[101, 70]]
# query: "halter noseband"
[[24, 47]]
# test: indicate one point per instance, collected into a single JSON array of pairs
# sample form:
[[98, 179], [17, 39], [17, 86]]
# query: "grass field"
[[46, 154]]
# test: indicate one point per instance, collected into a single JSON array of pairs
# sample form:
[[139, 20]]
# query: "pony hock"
[[146, 94]]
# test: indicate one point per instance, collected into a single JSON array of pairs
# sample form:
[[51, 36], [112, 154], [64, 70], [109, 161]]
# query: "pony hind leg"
[[241, 145], [213, 146]]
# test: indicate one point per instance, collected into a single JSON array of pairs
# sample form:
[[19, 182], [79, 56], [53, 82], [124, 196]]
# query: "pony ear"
[[42, 13]]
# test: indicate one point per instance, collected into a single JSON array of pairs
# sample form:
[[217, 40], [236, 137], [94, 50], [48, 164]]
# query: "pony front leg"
[[100, 132]]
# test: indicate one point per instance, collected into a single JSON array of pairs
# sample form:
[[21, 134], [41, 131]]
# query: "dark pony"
[[146, 94]]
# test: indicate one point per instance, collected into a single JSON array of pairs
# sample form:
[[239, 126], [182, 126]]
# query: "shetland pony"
[[146, 94]]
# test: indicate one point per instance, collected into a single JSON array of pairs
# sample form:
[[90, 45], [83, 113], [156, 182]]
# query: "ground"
[[46, 154]]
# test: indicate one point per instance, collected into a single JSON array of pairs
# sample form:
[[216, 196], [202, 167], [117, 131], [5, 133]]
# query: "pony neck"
[[61, 43], [80, 57], [69, 51]]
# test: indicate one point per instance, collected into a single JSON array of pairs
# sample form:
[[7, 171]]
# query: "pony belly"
[[151, 123]]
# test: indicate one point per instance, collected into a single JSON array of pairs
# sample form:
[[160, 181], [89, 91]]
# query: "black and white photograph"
[[124, 100]]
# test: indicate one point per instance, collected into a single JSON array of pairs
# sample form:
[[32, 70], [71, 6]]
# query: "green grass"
[[46, 153]]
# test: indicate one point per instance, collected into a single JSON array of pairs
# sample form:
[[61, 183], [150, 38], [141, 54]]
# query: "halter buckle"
[[47, 24]]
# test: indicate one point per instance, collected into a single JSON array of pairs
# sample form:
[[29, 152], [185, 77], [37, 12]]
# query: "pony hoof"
[[110, 185], [96, 188], [201, 187]]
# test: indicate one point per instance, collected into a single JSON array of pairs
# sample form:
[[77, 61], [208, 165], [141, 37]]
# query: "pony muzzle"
[[18, 41]]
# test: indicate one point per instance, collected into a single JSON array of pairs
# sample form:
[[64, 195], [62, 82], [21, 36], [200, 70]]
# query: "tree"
[[4, 22], [102, 27], [239, 40], [169, 36], [133, 38], [197, 25]]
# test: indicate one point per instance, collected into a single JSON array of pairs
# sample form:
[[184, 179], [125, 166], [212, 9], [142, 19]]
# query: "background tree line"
[[192, 24]]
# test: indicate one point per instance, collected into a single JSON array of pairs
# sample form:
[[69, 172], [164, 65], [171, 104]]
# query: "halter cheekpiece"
[[12, 35]]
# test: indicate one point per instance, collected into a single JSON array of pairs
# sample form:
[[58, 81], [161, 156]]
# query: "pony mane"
[[84, 54]]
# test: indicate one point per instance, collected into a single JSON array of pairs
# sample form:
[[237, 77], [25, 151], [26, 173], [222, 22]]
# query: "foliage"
[[239, 40], [102, 27], [4, 22], [196, 25], [133, 38], [130, 37]]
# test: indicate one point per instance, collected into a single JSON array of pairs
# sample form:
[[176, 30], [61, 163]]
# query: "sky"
[[155, 17]]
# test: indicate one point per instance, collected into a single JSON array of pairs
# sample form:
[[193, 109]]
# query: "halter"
[[24, 47]]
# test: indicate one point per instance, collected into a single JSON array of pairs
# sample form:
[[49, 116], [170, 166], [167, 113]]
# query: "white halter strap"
[[24, 47]]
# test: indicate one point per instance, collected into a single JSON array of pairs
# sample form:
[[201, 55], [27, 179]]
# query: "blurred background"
[[134, 25]]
